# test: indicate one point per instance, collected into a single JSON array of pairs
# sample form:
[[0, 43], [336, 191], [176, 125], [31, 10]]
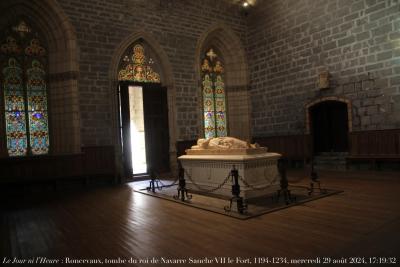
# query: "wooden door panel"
[[156, 127], [125, 129]]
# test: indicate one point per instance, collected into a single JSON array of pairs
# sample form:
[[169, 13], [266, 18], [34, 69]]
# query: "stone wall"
[[176, 25], [290, 42]]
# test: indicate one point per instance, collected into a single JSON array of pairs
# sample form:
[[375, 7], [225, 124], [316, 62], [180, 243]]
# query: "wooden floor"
[[115, 222]]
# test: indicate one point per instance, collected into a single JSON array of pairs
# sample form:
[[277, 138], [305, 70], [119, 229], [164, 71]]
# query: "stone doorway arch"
[[166, 81], [329, 98], [329, 123]]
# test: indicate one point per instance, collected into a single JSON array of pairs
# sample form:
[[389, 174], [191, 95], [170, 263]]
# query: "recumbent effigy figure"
[[224, 145]]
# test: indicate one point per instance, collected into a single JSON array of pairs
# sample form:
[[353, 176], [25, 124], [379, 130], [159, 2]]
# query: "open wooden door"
[[155, 104], [156, 131], [124, 115]]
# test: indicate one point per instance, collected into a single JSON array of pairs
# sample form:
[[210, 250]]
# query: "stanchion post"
[[182, 191], [152, 186], [241, 206], [314, 179], [284, 184]]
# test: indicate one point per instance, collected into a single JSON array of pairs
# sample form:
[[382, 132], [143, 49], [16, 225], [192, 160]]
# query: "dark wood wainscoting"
[[94, 162], [383, 142], [292, 147], [40, 168], [375, 147], [99, 162]]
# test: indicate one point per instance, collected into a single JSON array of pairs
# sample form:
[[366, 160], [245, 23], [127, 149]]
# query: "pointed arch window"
[[136, 66], [213, 88], [23, 82]]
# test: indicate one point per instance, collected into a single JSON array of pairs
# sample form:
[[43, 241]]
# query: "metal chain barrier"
[[168, 185], [226, 180], [204, 189], [265, 174], [258, 188], [156, 181]]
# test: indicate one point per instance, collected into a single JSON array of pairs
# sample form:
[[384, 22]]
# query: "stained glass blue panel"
[[16, 133], [37, 109], [14, 109], [209, 124], [39, 138], [23, 85]]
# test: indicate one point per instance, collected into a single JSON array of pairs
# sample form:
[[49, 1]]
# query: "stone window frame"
[[236, 79], [62, 66], [224, 75], [42, 39]]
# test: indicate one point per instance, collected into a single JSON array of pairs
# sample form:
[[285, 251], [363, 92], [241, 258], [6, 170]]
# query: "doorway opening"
[[144, 128], [137, 131], [329, 121]]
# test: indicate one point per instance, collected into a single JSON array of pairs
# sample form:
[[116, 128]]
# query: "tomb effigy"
[[207, 166]]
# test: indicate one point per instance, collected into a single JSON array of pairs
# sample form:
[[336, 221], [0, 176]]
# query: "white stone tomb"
[[209, 163]]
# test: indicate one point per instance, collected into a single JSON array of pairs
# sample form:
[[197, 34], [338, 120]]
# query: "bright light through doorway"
[[138, 146]]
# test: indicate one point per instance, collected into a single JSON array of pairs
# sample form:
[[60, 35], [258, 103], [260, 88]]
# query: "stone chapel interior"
[[95, 95]]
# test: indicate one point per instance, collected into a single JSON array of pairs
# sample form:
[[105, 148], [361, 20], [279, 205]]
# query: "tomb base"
[[258, 173]]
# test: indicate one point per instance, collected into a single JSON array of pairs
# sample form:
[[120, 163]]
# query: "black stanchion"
[[154, 182], [284, 190], [315, 180], [182, 191], [241, 206]]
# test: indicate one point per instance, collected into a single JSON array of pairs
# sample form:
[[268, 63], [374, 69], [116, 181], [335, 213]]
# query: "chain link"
[[263, 187], [168, 185], [226, 180], [157, 180], [207, 190], [258, 188], [201, 188]]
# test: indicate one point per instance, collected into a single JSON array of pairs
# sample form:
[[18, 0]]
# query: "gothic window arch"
[[23, 87], [137, 66], [213, 91]]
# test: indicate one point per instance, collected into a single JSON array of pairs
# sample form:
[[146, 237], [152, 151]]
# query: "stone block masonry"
[[288, 43], [176, 25], [291, 42]]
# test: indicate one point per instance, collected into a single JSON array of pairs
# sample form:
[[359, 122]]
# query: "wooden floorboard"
[[112, 222]]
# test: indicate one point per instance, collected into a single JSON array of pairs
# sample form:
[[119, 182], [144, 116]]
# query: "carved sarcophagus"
[[206, 170]]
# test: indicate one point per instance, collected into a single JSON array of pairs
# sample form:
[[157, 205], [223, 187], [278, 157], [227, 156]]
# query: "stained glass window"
[[137, 67], [214, 106], [23, 85]]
